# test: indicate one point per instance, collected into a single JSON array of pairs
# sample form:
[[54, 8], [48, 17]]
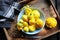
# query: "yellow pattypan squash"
[[51, 22]]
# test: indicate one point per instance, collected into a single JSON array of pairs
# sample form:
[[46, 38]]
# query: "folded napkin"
[[7, 12]]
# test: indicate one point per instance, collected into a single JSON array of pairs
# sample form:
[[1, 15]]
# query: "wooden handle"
[[7, 35]]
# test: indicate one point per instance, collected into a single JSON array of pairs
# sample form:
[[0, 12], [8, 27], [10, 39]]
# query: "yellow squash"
[[32, 28], [51, 22]]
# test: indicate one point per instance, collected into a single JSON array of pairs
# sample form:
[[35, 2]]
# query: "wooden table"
[[46, 32], [9, 38]]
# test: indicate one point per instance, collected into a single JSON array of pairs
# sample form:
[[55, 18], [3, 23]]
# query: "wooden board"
[[49, 10]]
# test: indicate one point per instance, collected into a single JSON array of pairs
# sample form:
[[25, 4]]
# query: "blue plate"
[[42, 16]]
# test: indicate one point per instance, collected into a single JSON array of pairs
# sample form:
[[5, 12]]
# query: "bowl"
[[42, 16]]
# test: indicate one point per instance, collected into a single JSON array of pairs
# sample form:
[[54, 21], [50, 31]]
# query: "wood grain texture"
[[14, 34]]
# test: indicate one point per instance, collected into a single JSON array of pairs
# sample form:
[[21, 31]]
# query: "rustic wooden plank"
[[55, 9], [9, 38]]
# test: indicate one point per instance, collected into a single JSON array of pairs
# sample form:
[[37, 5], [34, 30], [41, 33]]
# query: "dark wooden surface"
[[59, 35], [45, 33], [53, 37], [2, 34]]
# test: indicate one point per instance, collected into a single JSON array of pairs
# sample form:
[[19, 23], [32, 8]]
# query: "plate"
[[42, 16]]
